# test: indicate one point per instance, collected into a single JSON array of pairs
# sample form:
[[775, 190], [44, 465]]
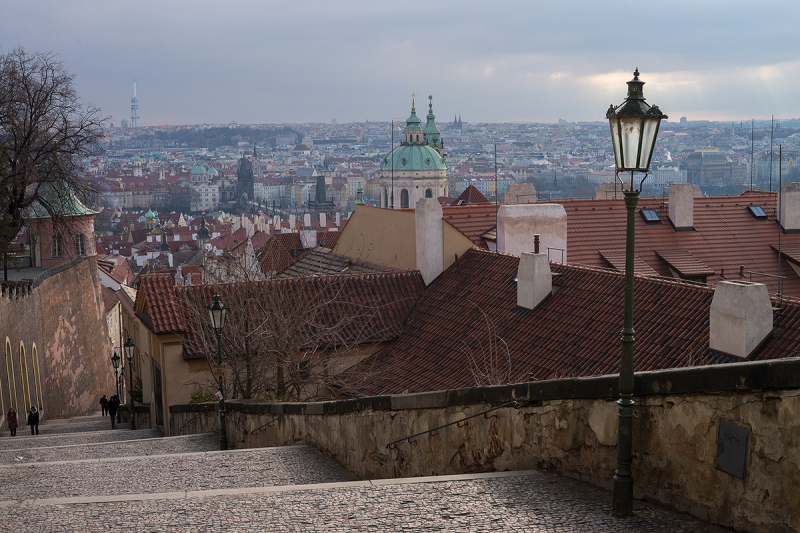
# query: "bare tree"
[[487, 353], [286, 338], [45, 135]]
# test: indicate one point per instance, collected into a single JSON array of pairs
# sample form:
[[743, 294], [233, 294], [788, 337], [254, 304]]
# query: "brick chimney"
[[429, 238], [516, 225], [681, 206], [534, 281], [741, 317], [789, 207]]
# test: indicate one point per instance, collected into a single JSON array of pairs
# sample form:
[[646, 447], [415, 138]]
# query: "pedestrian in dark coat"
[[33, 420], [104, 404], [12, 421], [113, 405]]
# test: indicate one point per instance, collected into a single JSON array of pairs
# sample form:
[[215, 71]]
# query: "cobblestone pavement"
[[109, 449], [153, 485]]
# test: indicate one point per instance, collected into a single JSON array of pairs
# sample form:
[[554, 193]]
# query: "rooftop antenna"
[[752, 132], [496, 192], [771, 132], [780, 160]]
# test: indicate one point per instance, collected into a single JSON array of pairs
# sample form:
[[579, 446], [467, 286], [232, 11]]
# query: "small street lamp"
[[217, 311], [115, 359], [634, 127], [129, 347]]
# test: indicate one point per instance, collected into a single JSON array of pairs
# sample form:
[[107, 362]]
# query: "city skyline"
[[511, 62]]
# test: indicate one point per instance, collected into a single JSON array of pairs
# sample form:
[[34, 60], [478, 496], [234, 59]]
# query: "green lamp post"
[[129, 347], [634, 127], [217, 311]]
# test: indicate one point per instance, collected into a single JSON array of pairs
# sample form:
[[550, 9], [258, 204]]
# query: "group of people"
[[109, 407], [33, 420]]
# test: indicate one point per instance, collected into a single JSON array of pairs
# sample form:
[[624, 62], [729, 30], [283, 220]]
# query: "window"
[[428, 193], [55, 246], [757, 211], [650, 216], [80, 245]]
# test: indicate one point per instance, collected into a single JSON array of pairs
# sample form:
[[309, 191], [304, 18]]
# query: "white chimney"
[[789, 206], [741, 317], [534, 281], [307, 220], [292, 224], [611, 190], [308, 237], [338, 219], [681, 206], [516, 225], [323, 220], [429, 238], [276, 221], [520, 193]]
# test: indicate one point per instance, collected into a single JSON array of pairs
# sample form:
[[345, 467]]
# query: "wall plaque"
[[732, 449]]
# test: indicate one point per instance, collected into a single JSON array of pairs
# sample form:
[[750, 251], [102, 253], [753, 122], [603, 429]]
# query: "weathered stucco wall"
[[568, 425], [63, 316]]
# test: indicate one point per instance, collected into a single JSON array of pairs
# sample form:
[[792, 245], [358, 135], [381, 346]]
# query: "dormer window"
[[650, 216]]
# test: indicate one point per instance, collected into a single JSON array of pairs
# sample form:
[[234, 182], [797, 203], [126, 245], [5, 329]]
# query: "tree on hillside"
[[45, 135]]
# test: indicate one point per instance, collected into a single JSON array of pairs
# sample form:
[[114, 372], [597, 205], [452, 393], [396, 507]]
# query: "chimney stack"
[[741, 317], [516, 225], [338, 219], [323, 220], [292, 224], [429, 238], [307, 220], [534, 281], [789, 207], [681, 206]]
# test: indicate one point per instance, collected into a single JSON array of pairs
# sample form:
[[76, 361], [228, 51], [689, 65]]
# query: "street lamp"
[[115, 359], [217, 311], [129, 346], [634, 127]]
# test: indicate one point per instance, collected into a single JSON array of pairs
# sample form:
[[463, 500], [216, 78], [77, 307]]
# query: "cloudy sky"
[[489, 61]]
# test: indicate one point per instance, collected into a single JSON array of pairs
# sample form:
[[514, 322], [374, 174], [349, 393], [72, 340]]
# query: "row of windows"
[[56, 246]]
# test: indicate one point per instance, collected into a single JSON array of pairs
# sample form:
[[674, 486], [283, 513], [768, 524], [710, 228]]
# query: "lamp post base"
[[622, 505]]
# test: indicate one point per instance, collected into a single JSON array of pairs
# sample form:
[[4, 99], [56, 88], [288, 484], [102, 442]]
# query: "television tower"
[[134, 104]]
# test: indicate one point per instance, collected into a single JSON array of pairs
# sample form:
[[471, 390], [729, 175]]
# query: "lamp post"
[[129, 346], [115, 359], [634, 127], [217, 311]]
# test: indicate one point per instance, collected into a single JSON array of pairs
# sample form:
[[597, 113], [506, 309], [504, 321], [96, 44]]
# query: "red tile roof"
[[156, 297], [471, 195], [725, 236], [472, 220], [684, 263], [470, 311], [283, 248], [325, 310]]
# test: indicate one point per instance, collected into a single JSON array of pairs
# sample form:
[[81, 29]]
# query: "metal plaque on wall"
[[732, 449]]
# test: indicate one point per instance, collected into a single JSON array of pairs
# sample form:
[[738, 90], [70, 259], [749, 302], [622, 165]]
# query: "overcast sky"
[[489, 61]]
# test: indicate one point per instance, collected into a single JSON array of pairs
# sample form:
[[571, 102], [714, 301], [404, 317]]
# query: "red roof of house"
[[467, 322], [471, 195], [156, 297], [283, 248], [472, 220], [725, 236]]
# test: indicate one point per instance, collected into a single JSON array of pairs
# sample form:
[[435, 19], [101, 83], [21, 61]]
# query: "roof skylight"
[[650, 216], [756, 211]]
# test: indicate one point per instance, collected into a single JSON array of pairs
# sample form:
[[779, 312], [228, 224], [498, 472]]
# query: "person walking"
[[12, 421], [104, 404], [33, 420], [113, 405]]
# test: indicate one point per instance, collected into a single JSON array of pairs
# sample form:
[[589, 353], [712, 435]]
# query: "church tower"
[[417, 167]]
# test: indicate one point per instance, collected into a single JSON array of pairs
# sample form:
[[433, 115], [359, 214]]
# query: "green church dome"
[[198, 169], [414, 157], [150, 215]]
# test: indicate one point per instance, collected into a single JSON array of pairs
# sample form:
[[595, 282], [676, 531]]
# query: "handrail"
[[460, 423], [195, 417], [267, 425]]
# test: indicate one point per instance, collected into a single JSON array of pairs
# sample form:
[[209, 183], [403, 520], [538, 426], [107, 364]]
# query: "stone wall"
[[61, 316], [568, 425]]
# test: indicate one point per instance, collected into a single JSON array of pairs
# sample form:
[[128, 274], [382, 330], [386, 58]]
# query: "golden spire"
[[413, 106]]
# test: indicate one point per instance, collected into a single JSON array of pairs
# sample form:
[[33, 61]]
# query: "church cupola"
[[413, 133], [433, 137]]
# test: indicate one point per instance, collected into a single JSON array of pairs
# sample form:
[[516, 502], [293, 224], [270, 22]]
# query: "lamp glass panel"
[[631, 132], [614, 122], [648, 142]]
